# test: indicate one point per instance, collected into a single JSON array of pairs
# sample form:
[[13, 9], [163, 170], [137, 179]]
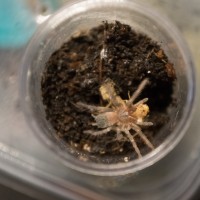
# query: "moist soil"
[[77, 69]]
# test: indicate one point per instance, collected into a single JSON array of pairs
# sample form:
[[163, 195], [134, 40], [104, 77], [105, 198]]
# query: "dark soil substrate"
[[72, 74]]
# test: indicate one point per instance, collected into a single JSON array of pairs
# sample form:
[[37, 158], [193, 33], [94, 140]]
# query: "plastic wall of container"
[[25, 158]]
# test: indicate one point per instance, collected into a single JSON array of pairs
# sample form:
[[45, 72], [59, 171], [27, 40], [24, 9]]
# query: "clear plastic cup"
[[83, 15]]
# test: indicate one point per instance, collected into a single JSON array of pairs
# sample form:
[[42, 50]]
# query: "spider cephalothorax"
[[120, 115]]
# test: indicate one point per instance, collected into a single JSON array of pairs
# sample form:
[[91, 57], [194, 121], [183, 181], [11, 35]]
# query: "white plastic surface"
[[25, 158]]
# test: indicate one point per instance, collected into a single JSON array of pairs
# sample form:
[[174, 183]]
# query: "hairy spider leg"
[[97, 133], [141, 134], [92, 108], [145, 123], [132, 140], [141, 102], [119, 135], [138, 91]]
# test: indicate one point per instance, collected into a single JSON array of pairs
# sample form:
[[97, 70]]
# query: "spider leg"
[[145, 123], [119, 136], [94, 124], [109, 104], [132, 140], [98, 133], [142, 136], [138, 91], [92, 108], [141, 102]]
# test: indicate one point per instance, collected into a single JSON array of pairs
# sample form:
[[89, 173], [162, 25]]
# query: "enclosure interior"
[[60, 30]]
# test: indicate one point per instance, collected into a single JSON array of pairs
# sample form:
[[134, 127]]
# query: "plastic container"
[[29, 166], [83, 15]]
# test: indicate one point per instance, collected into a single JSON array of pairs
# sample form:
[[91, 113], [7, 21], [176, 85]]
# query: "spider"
[[120, 115]]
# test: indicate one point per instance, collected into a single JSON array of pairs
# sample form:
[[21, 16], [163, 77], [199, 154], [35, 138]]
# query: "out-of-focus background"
[[18, 22]]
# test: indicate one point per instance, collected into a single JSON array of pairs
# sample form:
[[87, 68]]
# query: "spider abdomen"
[[106, 119]]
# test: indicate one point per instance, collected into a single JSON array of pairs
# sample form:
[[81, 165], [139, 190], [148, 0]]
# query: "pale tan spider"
[[120, 115]]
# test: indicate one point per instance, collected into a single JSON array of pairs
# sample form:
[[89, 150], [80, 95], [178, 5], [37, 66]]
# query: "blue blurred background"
[[19, 18]]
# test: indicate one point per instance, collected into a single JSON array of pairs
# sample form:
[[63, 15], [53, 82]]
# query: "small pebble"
[[126, 159], [86, 147]]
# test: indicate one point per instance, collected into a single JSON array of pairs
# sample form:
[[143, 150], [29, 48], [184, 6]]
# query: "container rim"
[[168, 144]]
